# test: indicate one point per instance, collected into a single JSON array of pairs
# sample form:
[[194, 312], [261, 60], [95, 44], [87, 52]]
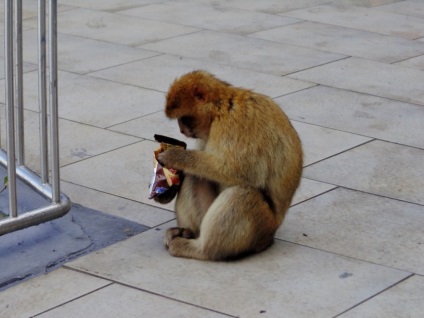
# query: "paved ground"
[[349, 73]]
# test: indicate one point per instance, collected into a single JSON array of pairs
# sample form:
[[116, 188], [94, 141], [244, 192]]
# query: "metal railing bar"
[[19, 99], [42, 90], [10, 120]]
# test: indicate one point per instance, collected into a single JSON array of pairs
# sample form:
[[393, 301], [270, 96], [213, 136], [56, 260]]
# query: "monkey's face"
[[187, 101]]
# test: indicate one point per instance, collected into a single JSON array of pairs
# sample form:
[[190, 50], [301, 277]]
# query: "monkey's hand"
[[175, 158]]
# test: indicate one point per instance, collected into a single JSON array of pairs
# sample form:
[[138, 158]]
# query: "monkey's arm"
[[208, 166]]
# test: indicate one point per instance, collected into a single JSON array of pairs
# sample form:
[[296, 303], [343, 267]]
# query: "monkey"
[[239, 182]]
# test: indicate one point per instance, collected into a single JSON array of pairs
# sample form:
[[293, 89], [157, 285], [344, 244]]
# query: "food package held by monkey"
[[165, 181]]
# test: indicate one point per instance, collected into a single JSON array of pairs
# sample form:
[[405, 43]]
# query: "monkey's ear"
[[199, 94]]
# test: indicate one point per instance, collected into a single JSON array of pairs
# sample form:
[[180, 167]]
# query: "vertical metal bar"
[[54, 116], [19, 99], [42, 90], [10, 120]]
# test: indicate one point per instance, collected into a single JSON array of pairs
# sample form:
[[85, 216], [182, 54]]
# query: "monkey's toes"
[[174, 232]]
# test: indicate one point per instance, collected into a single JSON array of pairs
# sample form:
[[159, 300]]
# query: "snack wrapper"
[[164, 180]]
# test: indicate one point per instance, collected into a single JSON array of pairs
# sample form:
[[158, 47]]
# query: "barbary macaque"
[[239, 184]]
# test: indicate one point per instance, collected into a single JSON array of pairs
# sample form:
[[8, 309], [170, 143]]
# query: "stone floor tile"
[[365, 3], [332, 38], [269, 6], [114, 205], [369, 77], [357, 113], [360, 18], [360, 225], [120, 301], [309, 189], [157, 123], [77, 141], [149, 73], [377, 167], [319, 143], [108, 5], [27, 67], [413, 8], [94, 101], [125, 172], [270, 283], [44, 292], [402, 300], [243, 52], [415, 62], [115, 28], [217, 18], [81, 55]]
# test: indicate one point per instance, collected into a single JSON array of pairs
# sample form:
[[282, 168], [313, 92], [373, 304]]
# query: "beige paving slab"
[[120, 301], [94, 101], [210, 17], [44, 292], [413, 8], [377, 167], [357, 113], [415, 62], [125, 172], [26, 67], [76, 141], [319, 143], [113, 27], [270, 6], [243, 52], [124, 208], [108, 5], [347, 41], [402, 300], [157, 123], [360, 225], [380, 79], [309, 189], [150, 73], [361, 18], [29, 9], [272, 283], [81, 55], [365, 3]]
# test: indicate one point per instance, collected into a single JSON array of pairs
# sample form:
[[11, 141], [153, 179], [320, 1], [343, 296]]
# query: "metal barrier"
[[14, 156]]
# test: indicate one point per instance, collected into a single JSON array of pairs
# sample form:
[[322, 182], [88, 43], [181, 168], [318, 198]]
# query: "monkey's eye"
[[188, 121]]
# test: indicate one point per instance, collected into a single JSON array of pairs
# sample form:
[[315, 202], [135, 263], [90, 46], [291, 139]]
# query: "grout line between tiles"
[[373, 296], [76, 298], [146, 290]]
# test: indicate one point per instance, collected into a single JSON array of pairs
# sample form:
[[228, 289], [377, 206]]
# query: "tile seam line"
[[356, 134], [124, 63], [342, 58], [140, 45], [315, 196], [117, 282], [100, 154], [347, 90], [410, 273], [76, 298], [339, 153], [406, 59], [121, 197], [375, 295], [338, 186]]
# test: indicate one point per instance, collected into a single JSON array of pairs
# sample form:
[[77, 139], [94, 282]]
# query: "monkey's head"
[[193, 99]]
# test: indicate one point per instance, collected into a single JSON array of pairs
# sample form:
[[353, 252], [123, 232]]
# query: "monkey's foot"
[[174, 232]]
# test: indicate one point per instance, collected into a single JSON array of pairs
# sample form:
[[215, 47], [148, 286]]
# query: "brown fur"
[[239, 184]]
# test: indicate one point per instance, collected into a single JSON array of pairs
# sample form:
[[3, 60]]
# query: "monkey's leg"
[[238, 222], [194, 199]]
